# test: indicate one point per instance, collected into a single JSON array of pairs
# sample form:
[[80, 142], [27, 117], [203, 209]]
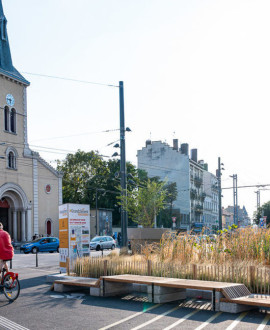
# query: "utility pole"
[[235, 200], [123, 175], [219, 194], [258, 199]]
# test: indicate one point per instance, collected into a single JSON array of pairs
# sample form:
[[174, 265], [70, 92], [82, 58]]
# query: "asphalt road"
[[39, 308], [21, 260]]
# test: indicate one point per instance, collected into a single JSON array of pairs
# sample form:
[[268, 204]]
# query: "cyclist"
[[6, 248]]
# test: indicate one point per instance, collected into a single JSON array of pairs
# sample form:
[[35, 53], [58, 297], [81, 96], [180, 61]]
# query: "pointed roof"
[[6, 66]]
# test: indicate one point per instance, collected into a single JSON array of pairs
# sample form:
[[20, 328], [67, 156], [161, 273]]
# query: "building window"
[[10, 120], [11, 160], [4, 29], [11, 157], [6, 115], [48, 226], [13, 121]]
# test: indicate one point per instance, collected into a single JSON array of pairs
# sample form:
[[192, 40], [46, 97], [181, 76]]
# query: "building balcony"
[[198, 181]]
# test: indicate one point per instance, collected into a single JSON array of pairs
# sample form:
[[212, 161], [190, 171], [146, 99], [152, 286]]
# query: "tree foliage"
[[264, 210], [79, 171], [144, 203], [88, 179]]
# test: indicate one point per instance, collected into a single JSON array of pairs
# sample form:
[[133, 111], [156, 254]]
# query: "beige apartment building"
[[30, 189]]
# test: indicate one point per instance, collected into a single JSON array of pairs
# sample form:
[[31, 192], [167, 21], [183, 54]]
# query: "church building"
[[30, 189]]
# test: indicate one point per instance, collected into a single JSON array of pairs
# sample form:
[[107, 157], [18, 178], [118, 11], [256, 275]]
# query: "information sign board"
[[74, 232]]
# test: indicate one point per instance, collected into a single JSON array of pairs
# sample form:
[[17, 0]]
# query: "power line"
[[251, 186], [69, 79], [74, 135]]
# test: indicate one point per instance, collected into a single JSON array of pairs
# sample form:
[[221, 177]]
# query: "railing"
[[257, 279]]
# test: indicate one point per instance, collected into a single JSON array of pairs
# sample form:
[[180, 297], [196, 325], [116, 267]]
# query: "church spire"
[[6, 66]]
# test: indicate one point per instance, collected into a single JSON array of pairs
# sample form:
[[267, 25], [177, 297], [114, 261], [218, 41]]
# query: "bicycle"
[[10, 284]]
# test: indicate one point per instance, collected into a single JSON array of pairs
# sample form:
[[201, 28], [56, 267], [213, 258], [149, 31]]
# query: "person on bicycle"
[[6, 248]]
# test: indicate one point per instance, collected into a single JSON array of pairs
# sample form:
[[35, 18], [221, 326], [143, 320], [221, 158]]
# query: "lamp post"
[[123, 174], [219, 193], [235, 200]]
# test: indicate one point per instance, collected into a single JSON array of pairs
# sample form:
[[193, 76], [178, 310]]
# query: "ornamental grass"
[[241, 255]]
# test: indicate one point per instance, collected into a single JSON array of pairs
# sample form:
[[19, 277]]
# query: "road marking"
[[235, 322], [156, 318], [7, 324], [264, 322], [203, 325], [182, 319], [130, 317]]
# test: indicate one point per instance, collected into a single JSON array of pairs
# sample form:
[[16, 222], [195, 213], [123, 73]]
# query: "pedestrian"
[[119, 238], [6, 248]]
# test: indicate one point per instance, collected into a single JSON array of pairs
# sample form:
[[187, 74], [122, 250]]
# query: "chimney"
[[175, 144], [147, 143], [194, 155], [184, 149], [205, 165]]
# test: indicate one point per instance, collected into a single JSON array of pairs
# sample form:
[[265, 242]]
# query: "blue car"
[[44, 244]]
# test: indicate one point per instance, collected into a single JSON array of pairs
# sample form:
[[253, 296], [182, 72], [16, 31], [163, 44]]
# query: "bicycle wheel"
[[11, 288]]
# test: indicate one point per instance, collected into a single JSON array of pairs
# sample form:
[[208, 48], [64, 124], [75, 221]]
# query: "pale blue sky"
[[197, 68]]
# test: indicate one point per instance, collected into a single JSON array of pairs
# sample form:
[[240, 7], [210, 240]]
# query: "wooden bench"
[[69, 284], [226, 297], [163, 289]]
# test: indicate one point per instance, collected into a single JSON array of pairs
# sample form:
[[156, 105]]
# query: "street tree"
[[89, 179], [145, 202], [78, 170], [264, 210]]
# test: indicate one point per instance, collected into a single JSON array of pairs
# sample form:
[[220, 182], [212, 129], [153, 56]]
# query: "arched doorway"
[[4, 208], [16, 212]]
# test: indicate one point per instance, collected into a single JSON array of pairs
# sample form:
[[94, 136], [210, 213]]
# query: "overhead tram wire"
[[81, 134], [70, 79], [251, 186], [49, 149]]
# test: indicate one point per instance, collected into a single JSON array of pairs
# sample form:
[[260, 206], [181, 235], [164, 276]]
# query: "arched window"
[[6, 115], [49, 227], [11, 160], [13, 121]]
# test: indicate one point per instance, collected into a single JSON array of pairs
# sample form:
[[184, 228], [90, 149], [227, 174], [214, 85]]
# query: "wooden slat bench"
[[69, 284], [162, 289], [226, 297], [250, 300]]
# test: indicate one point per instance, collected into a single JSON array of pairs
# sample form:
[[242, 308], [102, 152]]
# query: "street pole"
[[219, 195], [123, 176], [258, 199], [235, 200], [96, 212]]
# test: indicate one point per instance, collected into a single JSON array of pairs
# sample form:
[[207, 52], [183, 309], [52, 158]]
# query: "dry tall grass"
[[241, 256], [246, 246]]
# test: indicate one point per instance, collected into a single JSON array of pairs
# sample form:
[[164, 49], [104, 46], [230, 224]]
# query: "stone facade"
[[161, 160], [174, 165], [210, 209]]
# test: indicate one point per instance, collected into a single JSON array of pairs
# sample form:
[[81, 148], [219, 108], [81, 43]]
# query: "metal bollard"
[[37, 259], [10, 266]]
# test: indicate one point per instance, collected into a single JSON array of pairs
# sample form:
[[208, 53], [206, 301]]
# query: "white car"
[[102, 242]]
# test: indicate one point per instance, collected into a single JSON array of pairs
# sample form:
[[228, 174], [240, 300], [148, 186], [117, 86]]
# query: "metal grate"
[[236, 291]]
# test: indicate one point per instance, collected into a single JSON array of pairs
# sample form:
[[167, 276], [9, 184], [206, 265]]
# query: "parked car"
[[102, 243], [44, 244]]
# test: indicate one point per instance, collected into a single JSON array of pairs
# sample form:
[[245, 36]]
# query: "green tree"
[[145, 202], [78, 170], [171, 194], [88, 179], [264, 210]]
